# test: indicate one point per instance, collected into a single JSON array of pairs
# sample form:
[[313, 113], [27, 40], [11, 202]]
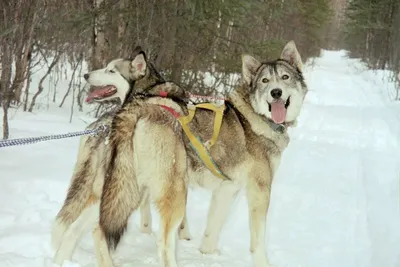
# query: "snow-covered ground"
[[335, 199]]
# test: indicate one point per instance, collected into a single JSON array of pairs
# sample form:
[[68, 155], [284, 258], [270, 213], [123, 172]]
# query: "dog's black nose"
[[276, 93], [86, 76]]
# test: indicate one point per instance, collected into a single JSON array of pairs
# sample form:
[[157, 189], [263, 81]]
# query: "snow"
[[335, 199]]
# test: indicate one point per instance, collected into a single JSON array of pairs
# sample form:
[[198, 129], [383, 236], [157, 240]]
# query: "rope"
[[32, 140]]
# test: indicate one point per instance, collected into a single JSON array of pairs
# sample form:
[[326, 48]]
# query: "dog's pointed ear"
[[292, 55], [137, 50], [139, 65], [250, 66]]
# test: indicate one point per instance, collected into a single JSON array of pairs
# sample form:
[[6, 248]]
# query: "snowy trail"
[[335, 199]]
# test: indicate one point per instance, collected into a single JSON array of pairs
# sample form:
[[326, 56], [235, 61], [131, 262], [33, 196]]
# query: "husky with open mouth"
[[280, 82], [121, 78]]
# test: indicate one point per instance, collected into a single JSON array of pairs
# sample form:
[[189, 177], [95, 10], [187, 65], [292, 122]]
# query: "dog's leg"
[[184, 233], [101, 249], [219, 207], [258, 195], [80, 226], [79, 191], [172, 209], [170, 197], [59, 228], [145, 215]]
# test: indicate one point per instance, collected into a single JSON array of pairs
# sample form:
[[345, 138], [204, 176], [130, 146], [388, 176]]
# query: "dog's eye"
[[285, 77], [265, 80], [112, 71]]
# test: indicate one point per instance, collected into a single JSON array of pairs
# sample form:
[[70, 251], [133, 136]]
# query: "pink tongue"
[[97, 93], [278, 112]]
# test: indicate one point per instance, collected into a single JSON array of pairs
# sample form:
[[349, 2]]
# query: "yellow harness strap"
[[219, 113], [202, 149]]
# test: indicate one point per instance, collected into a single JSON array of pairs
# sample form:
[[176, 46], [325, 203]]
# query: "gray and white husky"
[[121, 78]]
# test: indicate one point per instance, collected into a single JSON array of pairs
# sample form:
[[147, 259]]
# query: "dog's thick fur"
[[79, 212], [149, 153]]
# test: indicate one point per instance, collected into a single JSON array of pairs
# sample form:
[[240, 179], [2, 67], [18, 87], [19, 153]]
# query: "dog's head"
[[277, 88], [117, 78]]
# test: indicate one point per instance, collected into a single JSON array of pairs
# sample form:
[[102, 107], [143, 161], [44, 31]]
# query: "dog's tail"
[[79, 191], [121, 195]]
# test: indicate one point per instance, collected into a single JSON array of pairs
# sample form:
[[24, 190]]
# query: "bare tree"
[[5, 80], [40, 85], [26, 18], [71, 82], [28, 83], [99, 39]]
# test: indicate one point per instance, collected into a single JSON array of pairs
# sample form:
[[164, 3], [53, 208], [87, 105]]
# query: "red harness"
[[167, 108], [171, 110]]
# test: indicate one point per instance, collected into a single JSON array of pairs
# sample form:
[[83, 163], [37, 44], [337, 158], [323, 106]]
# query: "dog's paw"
[[146, 229], [184, 237], [260, 259], [209, 247], [184, 234]]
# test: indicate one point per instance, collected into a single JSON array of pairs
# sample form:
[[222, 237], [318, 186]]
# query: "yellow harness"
[[202, 149]]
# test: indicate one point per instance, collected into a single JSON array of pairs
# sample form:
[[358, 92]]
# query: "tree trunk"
[[229, 33], [40, 85], [387, 51], [121, 29], [137, 22], [58, 74], [99, 40], [24, 48], [70, 83], [176, 71], [146, 40], [216, 41], [72, 104], [5, 85], [80, 89], [28, 84]]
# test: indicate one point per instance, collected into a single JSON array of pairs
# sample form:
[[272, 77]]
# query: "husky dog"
[[252, 138], [79, 214]]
